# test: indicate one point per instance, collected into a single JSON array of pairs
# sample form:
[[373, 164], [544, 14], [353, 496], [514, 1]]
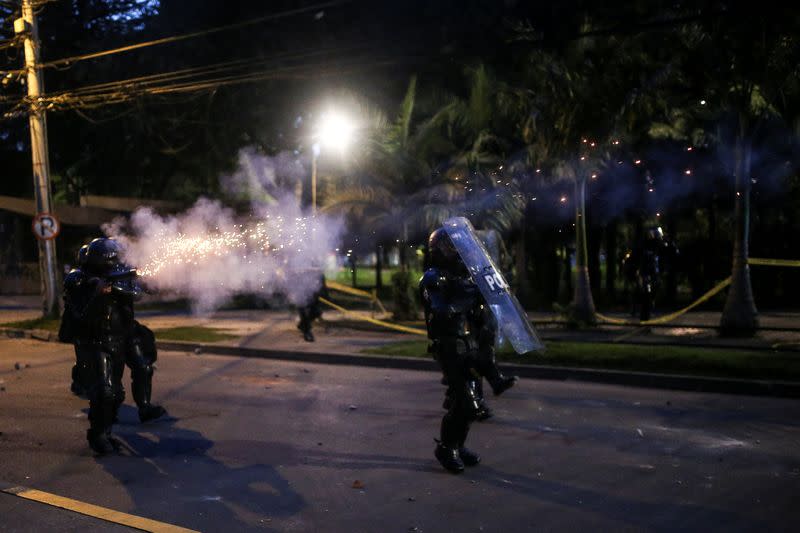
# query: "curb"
[[780, 389], [37, 334], [559, 336]]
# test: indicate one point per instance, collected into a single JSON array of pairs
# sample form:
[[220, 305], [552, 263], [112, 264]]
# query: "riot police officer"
[[103, 306], [642, 267], [461, 330], [70, 330]]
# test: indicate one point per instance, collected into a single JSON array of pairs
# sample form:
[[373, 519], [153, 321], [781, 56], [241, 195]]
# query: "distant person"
[[312, 310], [643, 266]]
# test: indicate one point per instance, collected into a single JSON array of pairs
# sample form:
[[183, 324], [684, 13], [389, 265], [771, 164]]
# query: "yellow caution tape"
[[109, 515], [372, 296], [774, 262], [388, 325], [349, 290], [667, 318]]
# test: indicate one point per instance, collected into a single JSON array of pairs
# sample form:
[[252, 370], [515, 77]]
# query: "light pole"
[[335, 131]]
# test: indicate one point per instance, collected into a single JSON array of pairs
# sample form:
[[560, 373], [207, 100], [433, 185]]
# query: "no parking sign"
[[46, 226]]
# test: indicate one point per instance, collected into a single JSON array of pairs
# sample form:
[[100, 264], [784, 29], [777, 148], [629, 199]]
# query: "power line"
[[123, 93], [68, 61], [190, 72]]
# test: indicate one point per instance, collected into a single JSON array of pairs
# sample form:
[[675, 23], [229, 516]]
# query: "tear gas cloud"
[[209, 253]]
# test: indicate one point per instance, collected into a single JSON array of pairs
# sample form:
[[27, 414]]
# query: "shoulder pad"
[[432, 277], [75, 277]]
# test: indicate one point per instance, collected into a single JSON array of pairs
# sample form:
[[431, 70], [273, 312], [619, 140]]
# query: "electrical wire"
[[69, 100], [191, 72], [69, 61]]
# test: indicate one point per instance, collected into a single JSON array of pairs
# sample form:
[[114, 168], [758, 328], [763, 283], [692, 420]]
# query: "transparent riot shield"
[[512, 320]]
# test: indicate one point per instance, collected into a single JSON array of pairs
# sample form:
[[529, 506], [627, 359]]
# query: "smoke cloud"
[[210, 253]]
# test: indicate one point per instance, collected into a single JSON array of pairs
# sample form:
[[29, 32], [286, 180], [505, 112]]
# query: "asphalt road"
[[256, 444]]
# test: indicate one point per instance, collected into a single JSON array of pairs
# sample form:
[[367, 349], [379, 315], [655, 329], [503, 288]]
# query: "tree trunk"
[[521, 260], [403, 246], [565, 277], [671, 285], [611, 260], [593, 238], [378, 267], [582, 303], [739, 316]]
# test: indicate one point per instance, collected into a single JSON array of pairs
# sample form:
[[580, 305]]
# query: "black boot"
[[142, 387], [308, 336], [484, 413], [502, 384], [151, 412], [449, 458], [468, 457], [77, 389], [99, 441]]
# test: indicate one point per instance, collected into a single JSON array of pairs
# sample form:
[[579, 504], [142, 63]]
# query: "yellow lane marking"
[[95, 511]]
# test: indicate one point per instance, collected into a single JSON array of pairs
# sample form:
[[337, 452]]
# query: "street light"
[[335, 130]]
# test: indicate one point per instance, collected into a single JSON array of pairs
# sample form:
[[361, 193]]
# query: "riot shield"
[[511, 318]]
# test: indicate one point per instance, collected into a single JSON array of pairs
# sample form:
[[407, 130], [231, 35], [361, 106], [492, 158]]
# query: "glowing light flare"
[[335, 130]]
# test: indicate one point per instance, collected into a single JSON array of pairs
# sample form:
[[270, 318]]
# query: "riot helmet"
[[82, 255], [441, 251], [102, 256]]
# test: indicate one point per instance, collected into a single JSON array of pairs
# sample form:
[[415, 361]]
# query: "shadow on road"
[[170, 476]]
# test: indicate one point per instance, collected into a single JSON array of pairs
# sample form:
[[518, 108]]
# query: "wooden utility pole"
[[27, 27]]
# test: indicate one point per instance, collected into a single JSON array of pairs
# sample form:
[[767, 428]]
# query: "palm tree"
[[414, 178], [748, 67]]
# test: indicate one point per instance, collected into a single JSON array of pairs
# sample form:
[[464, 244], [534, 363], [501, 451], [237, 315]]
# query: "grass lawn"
[[49, 324], [643, 358], [365, 276]]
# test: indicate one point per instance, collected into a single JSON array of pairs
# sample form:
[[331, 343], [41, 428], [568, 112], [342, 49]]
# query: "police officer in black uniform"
[[461, 329], [102, 305], [643, 266], [70, 330]]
